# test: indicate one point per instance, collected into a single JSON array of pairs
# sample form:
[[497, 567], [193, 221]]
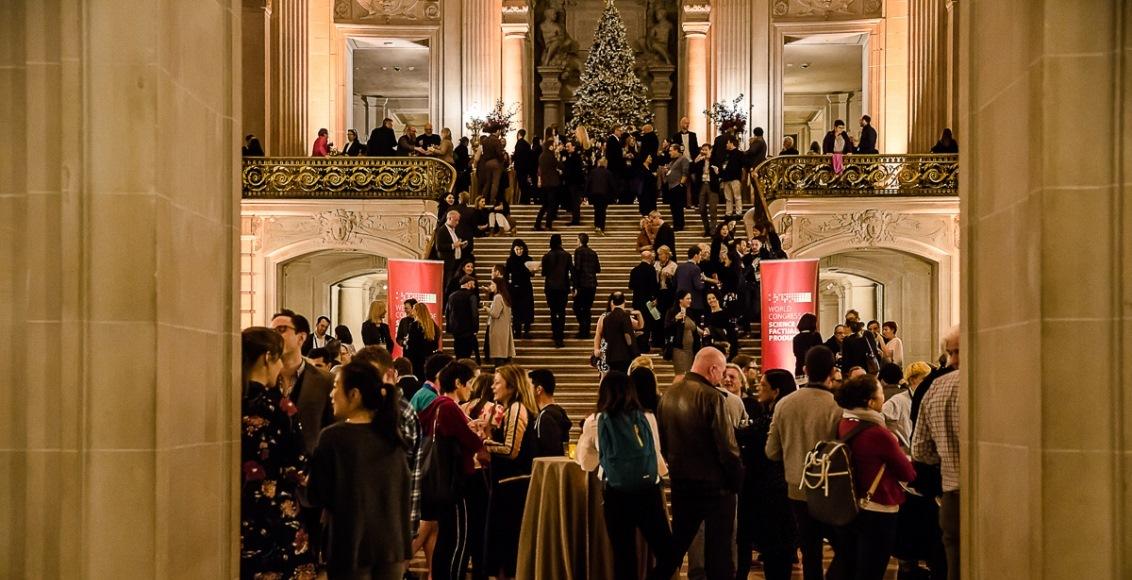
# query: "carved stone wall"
[[275, 232], [924, 227], [824, 10], [386, 11]]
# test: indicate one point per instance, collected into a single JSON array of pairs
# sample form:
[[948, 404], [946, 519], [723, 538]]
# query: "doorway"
[[388, 78], [824, 78], [338, 284]]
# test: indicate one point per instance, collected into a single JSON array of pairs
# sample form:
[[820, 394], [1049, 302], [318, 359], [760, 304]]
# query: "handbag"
[[442, 474]]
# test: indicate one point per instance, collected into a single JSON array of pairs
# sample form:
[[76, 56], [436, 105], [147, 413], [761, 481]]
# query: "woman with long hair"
[[511, 446], [360, 478], [500, 341], [628, 506], [375, 329], [765, 521], [521, 289], [682, 333], [273, 538], [423, 340], [477, 486]]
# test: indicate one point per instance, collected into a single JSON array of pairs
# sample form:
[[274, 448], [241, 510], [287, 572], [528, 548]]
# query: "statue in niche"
[[654, 46], [557, 46]]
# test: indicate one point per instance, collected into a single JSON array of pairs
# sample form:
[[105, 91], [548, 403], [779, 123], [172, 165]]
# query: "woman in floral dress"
[[274, 543]]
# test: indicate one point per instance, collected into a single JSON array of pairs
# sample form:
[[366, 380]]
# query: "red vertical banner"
[[422, 280], [789, 290]]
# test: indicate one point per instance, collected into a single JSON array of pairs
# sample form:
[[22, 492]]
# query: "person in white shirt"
[[891, 347]]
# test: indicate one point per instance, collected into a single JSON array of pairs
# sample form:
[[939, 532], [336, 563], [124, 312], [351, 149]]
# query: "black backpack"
[[827, 480], [442, 469]]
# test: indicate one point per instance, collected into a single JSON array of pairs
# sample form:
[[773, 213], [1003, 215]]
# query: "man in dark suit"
[[427, 139], [407, 144], [645, 286], [525, 166], [556, 267], [550, 184], [306, 386], [868, 142], [665, 235], [449, 246], [686, 139], [617, 330], [353, 148], [649, 145], [405, 323], [574, 174], [382, 140], [690, 277], [462, 318], [615, 156], [586, 268], [320, 337]]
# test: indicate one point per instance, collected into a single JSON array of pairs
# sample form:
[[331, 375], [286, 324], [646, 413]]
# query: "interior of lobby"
[[137, 248]]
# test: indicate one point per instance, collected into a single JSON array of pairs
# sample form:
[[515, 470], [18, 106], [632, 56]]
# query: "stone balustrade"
[[791, 176], [342, 177]]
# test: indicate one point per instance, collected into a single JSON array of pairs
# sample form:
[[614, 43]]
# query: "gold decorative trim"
[[347, 178], [791, 176]]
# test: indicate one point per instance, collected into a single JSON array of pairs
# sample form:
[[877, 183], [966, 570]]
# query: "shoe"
[[559, 343], [538, 228]]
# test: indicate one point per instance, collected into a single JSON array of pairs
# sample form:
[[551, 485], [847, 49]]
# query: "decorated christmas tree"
[[610, 94]]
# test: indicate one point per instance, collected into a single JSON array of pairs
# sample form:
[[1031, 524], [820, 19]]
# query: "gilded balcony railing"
[[791, 176], [347, 178]]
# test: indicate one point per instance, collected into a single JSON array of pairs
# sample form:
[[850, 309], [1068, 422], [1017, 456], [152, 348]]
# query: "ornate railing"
[[347, 178], [860, 176]]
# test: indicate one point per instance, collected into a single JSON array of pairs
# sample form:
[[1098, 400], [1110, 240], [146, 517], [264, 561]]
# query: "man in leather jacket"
[[698, 442]]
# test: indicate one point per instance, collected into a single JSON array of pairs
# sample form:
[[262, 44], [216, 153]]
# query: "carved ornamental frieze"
[[346, 178], [386, 11], [823, 10]]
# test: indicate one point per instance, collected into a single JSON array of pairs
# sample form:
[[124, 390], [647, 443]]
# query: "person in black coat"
[[706, 192], [586, 268], [615, 156], [645, 286], [854, 349], [252, 146], [549, 184], [599, 188], [685, 138], [556, 268], [574, 174], [525, 166], [382, 140], [518, 276], [462, 161], [831, 142], [462, 318], [807, 338], [353, 147], [868, 144], [946, 143]]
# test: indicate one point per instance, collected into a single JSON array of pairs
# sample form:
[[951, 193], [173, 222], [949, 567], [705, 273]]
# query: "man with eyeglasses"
[[305, 385]]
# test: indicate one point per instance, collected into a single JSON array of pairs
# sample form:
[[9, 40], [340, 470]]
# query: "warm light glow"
[[697, 94]]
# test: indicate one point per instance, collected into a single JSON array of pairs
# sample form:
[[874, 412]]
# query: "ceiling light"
[[805, 65]]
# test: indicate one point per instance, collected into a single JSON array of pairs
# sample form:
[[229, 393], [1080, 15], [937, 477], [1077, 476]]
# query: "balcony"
[[338, 178], [813, 176]]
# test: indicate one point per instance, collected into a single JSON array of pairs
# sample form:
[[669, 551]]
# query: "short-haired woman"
[[627, 508], [807, 338], [879, 466]]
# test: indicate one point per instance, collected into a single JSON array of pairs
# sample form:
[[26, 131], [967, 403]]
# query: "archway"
[[339, 284]]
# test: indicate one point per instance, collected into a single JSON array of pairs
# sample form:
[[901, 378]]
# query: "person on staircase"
[[549, 184], [574, 174], [518, 278], [500, 340], [586, 268], [618, 328], [599, 188], [676, 186], [556, 269], [644, 283], [462, 318]]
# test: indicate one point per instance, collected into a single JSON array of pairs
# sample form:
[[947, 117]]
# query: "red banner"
[[422, 280], [789, 290]]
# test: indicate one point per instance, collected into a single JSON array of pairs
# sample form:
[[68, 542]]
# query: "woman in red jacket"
[[878, 464]]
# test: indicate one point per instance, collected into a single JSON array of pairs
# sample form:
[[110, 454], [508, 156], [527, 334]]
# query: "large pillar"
[[731, 36], [482, 55], [289, 78], [927, 75], [1046, 289], [255, 49], [892, 119], [517, 74], [120, 412], [695, 71]]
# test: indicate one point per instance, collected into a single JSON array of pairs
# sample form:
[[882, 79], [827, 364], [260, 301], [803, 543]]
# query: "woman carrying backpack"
[[879, 465], [624, 440]]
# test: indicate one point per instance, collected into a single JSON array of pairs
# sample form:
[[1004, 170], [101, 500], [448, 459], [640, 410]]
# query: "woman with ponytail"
[[273, 540], [359, 476]]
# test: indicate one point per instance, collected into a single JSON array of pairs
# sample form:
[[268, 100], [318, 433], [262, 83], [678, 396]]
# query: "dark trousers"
[[465, 346], [629, 511], [864, 547], [526, 187], [556, 300], [450, 558], [716, 511], [810, 534], [600, 203], [619, 365], [583, 308], [949, 523], [709, 208], [549, 208], [646, 202], [475, 496], [489, 177], [575, 203]]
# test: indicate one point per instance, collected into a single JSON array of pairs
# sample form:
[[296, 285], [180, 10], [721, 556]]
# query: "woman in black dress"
[[359, 476], [721, 327], [510, 421], [765, 521], [807, 338], [273, 538], [375, 330], [522, 291], [423, 339]]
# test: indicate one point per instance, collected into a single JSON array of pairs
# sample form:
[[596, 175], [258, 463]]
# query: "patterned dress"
[[274, 544]]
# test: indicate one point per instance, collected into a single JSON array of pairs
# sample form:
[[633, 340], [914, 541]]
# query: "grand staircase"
[[577, 382]]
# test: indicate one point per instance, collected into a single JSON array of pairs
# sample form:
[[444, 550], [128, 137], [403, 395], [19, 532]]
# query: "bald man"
[[686, 138], [698, 442]]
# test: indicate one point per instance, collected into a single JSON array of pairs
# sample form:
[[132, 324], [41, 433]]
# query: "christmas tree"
[[610, 94]]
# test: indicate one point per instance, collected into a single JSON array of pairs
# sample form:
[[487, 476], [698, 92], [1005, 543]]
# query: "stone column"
[[1047, 289], [288, 78], [119, 419], [254, 65], [482, 54], [892, 119], [696, 71], [731, 37], [517, 73], [927, 75]]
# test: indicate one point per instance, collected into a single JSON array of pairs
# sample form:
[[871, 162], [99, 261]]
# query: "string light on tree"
[[611, 95]]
